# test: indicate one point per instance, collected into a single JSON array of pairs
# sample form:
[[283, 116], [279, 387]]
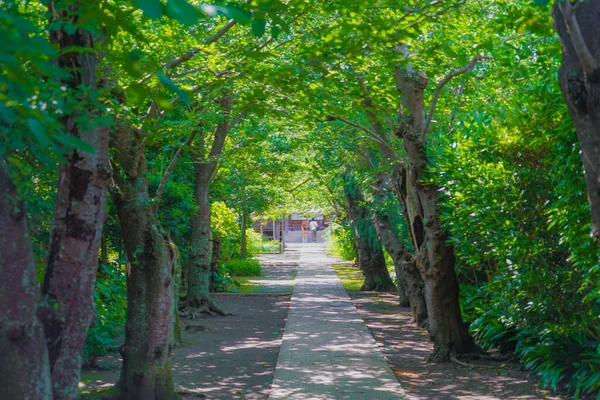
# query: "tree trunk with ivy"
[[420, 205], [24, 366], [146, 369], [370, 253], [578, 27], [70, 277]]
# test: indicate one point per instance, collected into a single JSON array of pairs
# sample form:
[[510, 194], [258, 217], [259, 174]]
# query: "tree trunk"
[[198, 296], [243, 240], [24, 365], [80, 212], [214, 260], [579, 74], [370, 253], [146, 369], [420, 205], [406, 270]]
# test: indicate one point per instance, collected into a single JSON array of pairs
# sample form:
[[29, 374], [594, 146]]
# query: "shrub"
[[339, 240], [111, 312], [248, 267]]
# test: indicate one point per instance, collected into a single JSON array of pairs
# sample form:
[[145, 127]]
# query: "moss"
[[350, 275]]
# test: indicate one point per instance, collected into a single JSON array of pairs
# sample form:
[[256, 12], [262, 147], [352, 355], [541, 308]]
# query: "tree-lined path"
[[327, 350]]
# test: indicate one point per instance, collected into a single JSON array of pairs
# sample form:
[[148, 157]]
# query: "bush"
[[227, 229], [111, 312], [248, 267], [339, 240]]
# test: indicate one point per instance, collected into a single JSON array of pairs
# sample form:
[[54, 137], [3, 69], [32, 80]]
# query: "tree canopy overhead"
[[459, 137]]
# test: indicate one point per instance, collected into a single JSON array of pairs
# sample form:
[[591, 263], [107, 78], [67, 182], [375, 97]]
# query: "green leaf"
[[151, 8], [541, 3], [233, 12], [69, 28], [258, 27], [136, 94], [75, 143], [275, 31], [169, 84], [39, 131], [182, 11]]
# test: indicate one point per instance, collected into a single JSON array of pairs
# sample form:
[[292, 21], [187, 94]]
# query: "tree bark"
[[80, 212], [146, 369], [579, 31], [406, 269], [198, 296], [420, 205], [24, 363], [370, 253]]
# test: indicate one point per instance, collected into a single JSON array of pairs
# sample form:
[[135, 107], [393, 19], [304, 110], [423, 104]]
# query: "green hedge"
[[248, 267]]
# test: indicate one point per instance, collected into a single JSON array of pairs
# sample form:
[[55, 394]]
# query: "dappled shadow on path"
[[233, 358], [406, 348], [327, 352]]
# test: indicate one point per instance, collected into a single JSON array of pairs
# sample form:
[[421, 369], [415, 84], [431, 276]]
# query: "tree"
[[577, 26], [370, 253]]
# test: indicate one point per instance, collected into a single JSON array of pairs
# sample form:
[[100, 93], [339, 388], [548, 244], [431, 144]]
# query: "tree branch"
[[436, 93], [389, 150], [165, 178], [191, 53], [588, 62]]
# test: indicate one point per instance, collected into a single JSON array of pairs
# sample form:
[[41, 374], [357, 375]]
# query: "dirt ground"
[[233, 358], [406, 348]]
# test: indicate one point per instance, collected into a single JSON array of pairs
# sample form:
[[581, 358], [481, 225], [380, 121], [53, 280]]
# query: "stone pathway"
[[327, 351]]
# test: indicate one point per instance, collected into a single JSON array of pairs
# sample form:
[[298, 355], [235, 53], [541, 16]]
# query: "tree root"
[[488, 357], [456, 361], [205, 307]]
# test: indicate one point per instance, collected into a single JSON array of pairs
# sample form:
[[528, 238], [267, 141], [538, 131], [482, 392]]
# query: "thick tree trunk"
[[80, 212], [579, 31], [146, 369], [24, 366], [420, 205], [370, 253]]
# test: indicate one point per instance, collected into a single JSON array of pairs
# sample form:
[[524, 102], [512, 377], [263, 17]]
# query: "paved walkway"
[[327, 351]]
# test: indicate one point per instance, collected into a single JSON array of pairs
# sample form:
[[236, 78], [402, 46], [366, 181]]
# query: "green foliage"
[[240, 267], [111, 312], [339, 240], [226, 228]]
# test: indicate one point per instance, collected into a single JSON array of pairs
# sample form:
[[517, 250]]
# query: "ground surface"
[[235, 357], [327, 351]]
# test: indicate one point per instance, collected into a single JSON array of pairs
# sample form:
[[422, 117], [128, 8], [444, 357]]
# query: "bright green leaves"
[[169, 84], [136, 94], [187, 14], [239, 15], [151, 8], [258, 26], [182, 11], [541, 3]]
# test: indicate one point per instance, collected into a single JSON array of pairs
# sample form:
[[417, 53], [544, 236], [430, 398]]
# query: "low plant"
[[247, 267]]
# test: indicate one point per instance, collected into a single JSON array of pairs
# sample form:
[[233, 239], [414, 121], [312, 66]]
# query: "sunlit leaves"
[[230, 11]]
